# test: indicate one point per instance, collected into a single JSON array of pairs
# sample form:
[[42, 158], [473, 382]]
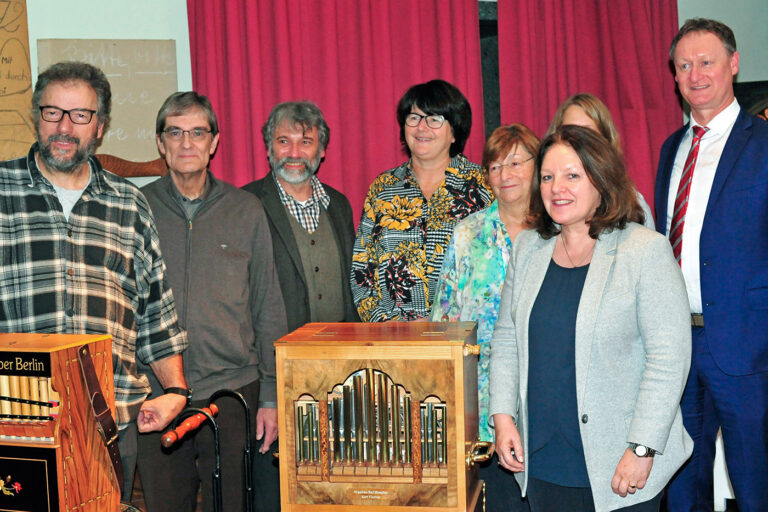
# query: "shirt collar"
[[319, 195], [199, 199], [722, 122], [454, 165]]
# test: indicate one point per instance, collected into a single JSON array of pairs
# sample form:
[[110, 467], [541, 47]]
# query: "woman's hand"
[[509, 446], [631, 473]]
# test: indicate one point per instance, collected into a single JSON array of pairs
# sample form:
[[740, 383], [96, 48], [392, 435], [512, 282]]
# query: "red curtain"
[[617, 50], [355, 59]]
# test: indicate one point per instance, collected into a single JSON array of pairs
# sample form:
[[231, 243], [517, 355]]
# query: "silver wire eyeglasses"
[[53, 114], [495, 168], [434, 121], [194, 134]]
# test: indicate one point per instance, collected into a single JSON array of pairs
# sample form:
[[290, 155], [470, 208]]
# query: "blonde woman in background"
[[589, 111]]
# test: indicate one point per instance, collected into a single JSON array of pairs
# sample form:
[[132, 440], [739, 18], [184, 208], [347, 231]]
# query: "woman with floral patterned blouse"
[[474, 268], [410, 211]]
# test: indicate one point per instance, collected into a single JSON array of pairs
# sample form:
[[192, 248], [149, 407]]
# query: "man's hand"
[[631, 473], [509, 446], [157, 413], [266, 427]]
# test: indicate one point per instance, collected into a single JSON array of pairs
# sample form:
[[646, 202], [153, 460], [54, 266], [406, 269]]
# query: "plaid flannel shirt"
[[307, 213], [101, 272]]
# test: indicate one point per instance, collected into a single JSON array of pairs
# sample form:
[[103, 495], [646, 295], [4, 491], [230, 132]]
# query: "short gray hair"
[[305, 113], [180, 103], [63, 72]]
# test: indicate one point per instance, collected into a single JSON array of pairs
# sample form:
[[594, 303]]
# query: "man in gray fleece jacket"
[[218, 250]]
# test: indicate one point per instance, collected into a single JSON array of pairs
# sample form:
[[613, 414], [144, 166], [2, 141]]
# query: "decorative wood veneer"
[[428, 360]]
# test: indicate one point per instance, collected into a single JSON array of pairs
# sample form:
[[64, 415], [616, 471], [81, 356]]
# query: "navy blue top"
[[556, 454]]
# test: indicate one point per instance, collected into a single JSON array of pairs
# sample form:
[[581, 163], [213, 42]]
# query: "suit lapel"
[[279, 216], [337, 225], [589, 305], [738, 138]]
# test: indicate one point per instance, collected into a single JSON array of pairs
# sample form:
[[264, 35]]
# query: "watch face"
[[641, 451]]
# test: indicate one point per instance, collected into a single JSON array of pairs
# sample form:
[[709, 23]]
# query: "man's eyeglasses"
[[177, 134], [497, 167], [76, 115], [433, 121]]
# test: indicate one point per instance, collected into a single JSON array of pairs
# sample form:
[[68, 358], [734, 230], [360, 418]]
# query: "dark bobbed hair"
[[438, 97], [504, 139], [305, 113], [604, 168], [721, 30], [180, 103], [596, 110], [63, 72]]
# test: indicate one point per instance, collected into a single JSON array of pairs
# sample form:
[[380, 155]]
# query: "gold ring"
[[632, 486]]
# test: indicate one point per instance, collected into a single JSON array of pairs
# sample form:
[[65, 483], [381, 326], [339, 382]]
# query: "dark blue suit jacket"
[[733, 247]]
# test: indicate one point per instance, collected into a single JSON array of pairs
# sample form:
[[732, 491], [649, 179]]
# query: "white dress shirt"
[[710, 149]]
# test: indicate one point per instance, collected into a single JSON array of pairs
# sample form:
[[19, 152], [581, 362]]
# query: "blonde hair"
[[595, 110]]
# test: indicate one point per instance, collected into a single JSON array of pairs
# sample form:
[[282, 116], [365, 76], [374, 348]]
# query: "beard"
[[65, 165], [292, 177]]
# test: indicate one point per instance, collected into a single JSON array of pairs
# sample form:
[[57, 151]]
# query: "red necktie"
[[683, 191]]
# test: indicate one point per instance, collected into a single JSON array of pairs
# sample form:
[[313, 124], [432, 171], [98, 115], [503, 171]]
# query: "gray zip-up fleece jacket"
[[221, 269]]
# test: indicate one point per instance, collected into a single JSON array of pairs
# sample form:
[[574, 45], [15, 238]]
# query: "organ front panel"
[[378, 415], [52, 457]]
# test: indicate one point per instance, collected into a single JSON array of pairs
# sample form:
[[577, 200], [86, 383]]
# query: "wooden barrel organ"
[[52, 456], [378, 415]]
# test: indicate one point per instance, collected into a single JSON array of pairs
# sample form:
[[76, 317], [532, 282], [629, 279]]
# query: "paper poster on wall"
[[16, 129], [141, 73]]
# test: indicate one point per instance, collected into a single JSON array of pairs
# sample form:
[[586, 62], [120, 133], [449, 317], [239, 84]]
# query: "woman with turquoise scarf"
[[473, 272]]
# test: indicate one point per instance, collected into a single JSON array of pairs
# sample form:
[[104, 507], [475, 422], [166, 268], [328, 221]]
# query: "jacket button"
[[306, 300], [584, 418]]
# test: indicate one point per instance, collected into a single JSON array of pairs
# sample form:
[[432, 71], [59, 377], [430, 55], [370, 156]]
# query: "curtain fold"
[[617, 50], [354, 59]]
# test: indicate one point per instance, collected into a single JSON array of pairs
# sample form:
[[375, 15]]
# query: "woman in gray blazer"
[[592, 345]]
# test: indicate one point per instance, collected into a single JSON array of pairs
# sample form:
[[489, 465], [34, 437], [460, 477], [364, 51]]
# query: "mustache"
[[288, 160], [63, 137]]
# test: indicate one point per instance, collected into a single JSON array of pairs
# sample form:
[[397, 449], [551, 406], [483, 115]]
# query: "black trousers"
[[501, 490], [548, 497], [171, 478]]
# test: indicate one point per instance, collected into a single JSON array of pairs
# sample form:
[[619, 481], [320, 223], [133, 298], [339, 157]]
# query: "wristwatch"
[[642, 451], [181, 391]]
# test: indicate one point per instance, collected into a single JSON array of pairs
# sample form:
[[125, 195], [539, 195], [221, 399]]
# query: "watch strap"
[[187, 393], [649, 452]]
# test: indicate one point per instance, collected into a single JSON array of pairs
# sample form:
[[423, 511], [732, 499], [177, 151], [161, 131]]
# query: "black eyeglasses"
[[433, 121], [177, 134], [53, 114]]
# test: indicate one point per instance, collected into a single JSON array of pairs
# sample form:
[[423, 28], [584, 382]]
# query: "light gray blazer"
[[633, 352]]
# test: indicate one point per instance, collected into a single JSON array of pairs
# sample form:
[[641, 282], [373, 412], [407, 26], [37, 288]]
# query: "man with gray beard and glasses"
[[312, 233], [79, 254]]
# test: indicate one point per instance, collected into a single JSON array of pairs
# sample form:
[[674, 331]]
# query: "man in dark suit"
[[311, 227], [712, 201]]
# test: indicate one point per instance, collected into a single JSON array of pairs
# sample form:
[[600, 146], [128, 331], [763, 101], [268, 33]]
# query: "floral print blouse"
[[402, 238], [470, 285]]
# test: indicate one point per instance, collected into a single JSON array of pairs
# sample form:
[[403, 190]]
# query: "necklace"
[[562, 239]]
